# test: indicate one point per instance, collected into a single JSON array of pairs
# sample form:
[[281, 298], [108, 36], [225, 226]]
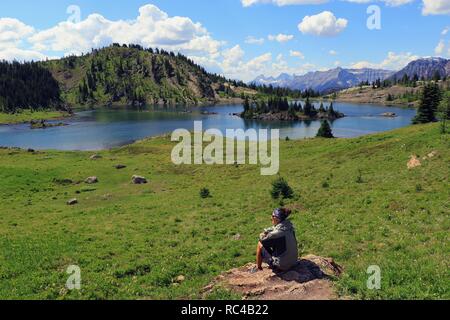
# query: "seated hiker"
[[278, 245]]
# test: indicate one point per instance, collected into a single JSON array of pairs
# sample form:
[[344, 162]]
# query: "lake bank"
[[28, 116]]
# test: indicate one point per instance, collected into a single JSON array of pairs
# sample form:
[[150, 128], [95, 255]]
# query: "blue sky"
[[216, 33]]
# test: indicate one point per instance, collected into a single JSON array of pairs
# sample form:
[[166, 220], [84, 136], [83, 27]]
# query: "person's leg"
[[259, 256]]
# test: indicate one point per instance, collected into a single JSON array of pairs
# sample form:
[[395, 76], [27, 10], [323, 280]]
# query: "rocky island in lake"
[[279, 109]]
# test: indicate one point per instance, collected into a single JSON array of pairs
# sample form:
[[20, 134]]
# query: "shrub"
[[281, 189], [204, 193], [325, 130], [359, 178]]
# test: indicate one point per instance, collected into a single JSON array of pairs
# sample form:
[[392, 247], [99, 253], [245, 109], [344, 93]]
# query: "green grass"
[[356, 202], [28, 115]]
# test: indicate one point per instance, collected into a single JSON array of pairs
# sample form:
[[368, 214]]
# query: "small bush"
[[281, 189], [325, 184], [359, 178], [204, 193]]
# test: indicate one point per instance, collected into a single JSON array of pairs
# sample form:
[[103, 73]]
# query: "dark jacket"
[[281, 243]]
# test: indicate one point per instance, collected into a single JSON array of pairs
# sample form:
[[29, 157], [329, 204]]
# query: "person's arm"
[[270, 234]]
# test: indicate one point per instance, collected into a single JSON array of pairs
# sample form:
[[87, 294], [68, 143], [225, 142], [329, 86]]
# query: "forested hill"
[[27, 85], [132, 75], [122, 75]]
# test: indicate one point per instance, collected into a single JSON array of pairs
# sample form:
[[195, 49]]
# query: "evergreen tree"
[[444, 112], [325, 130], [429, 103]]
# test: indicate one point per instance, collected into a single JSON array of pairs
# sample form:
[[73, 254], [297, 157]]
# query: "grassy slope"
[[131, 241], [28, 115], [401, 95]]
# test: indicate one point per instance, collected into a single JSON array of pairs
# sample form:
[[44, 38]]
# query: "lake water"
[[103, 129]]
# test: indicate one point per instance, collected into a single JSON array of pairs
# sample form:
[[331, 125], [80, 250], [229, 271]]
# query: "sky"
[[241, 39]]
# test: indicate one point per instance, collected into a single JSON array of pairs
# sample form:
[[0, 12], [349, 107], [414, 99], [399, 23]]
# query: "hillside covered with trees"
[[122, 75], [27, 85]]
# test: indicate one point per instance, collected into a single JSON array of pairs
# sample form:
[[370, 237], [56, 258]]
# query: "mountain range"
[[340, 78], [426, 68]]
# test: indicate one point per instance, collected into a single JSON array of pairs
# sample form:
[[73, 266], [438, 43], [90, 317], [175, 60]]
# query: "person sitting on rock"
[[277, 245]]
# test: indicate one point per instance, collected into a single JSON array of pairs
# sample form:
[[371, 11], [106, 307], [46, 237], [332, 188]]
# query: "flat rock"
[[414, 162], [389, 115], [91, 180], [310, 279], [95, 157], [120, 166], [72, 202], [138, 180]]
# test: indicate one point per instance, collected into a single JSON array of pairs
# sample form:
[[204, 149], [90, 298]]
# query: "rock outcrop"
[[310, 279]]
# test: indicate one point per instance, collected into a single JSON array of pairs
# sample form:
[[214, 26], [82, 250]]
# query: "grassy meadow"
[[29, 115], [355, 200]]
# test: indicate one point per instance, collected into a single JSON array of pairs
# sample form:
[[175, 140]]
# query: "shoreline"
[[7, 119]]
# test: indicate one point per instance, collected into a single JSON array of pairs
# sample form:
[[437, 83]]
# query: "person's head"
[[279, 215]]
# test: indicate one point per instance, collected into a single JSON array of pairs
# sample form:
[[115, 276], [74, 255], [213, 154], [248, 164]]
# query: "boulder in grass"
[[414, 162], [120, 166], [72, 202], [95, 157], [138, 180], [91, 180]]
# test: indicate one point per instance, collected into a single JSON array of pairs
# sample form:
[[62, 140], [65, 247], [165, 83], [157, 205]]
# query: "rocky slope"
[[426, 68]]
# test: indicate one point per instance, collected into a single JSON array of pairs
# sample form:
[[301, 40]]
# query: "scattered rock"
[[120, 166], [310, 279], [91, 180], [389, 114], [72, 202], [180, 279], [237, 237], [95, 157], [432, 154], [138, 180], [414, 162], [42, 124], [63, 182]]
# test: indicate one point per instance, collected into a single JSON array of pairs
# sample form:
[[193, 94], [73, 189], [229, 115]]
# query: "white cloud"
[[440, 47], [253, 40], [333, 53], [393, 61], [390, 3], [297, 54], [433, 7], [280, 3], [280, 37], [17, 54], [322, 24], [445, 31], [12, 32], [152, 28]]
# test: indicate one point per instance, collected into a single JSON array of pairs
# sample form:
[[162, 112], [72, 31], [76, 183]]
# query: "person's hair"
[[281, 214]]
